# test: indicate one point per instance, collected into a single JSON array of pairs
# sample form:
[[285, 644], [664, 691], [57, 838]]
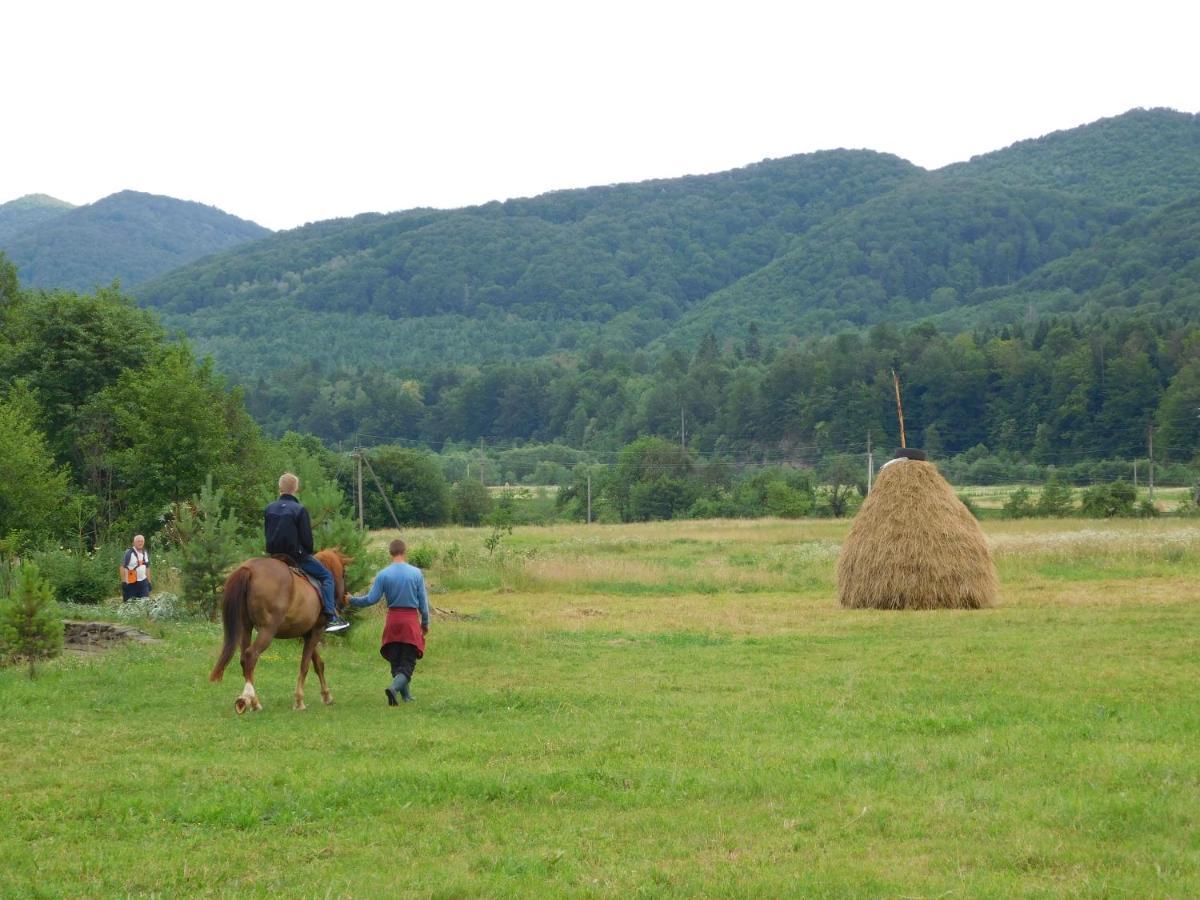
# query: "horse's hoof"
[[299, 706], [327, 699], [239, 705]]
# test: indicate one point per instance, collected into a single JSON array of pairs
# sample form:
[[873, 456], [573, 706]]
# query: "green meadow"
[[671, 709]]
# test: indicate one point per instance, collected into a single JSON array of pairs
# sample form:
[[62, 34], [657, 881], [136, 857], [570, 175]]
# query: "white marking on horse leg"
[[251, 697]]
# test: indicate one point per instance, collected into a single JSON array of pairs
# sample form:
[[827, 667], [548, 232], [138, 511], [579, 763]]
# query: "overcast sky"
[[290, 112]]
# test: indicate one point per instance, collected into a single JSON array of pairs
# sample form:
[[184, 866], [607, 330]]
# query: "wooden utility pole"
[[382, 492], [899, 407], [682, 432], [1150, 437], [589, 517], [870, 464], [359, 458]]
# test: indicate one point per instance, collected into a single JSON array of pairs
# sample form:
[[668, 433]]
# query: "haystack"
[[913, 545]]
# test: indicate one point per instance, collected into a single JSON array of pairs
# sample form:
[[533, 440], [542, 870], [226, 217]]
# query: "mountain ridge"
[[128, 236]]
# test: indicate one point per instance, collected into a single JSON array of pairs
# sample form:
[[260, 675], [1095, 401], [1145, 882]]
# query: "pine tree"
[[209, 538], [30, 625]]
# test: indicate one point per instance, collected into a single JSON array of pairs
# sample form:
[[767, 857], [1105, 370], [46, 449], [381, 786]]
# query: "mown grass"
[[654, 710]]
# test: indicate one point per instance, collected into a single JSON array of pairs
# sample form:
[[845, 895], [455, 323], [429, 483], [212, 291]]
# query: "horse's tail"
[[235, 614]]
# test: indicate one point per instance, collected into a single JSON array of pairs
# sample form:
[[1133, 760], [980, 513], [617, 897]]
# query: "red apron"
[[403, 626]]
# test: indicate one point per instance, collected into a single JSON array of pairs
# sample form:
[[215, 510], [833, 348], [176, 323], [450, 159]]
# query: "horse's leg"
[[310, 647], [319, 665], [250, 655], [242, 703]]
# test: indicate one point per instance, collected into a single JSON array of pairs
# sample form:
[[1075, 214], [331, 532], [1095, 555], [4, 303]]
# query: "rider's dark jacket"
[[288, 528]]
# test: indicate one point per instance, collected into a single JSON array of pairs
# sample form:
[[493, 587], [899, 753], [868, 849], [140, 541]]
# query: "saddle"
[[297, 571]]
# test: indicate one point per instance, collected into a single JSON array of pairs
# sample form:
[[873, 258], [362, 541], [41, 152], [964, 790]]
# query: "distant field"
[[994, 496], [651, 710]]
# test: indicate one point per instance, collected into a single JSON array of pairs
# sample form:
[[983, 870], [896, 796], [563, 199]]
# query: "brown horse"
[[264, 593]]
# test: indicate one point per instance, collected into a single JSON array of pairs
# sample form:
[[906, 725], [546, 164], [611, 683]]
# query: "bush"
[[209, 542], [78, 576], [30, 625], [1018, 504], [1106, 501], [1056, 500], [470, 502], [422, 557]]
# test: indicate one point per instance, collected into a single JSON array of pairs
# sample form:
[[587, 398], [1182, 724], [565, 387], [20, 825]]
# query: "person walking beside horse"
[[407, 618], [289, 533]]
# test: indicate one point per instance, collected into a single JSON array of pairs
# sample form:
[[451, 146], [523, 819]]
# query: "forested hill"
[[514, 279], [25, 212], [129, 236], [923, 249], [1143, 158], [814, 243]]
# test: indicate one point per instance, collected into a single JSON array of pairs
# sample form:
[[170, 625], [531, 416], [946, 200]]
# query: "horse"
[[264, 593]]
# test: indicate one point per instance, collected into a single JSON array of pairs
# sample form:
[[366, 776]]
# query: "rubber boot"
[[400, 686]]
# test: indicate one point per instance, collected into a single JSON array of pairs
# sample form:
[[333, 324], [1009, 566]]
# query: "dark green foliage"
[[422, 557], [79, 576], [470, 503], [30, 626], [131, 421], [414, 485], [1105, 501], [816, 243], [129, 237], [210, 543], [1055, 500], [33, 488], [516, 279], [1019, 504], [1146, 157]]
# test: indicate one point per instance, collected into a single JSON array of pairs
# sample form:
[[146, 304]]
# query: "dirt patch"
[[96, 637]]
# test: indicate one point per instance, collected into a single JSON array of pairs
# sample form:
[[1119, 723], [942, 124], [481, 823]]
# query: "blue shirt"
[[403, 586]]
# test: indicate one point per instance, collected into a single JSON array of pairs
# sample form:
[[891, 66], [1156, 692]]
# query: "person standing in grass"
[[135, 570], [407, 619]]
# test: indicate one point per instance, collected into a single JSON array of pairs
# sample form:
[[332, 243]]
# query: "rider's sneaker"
[[336, 624]]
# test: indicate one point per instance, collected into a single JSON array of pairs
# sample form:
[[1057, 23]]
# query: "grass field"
[[655, 710]]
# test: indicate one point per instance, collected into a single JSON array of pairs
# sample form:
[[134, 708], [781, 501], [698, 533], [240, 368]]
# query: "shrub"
[[1056, 499], [209, 538], [1106, 501], [1018, 504], [76, 576], [470, 503], [30, 625], [422, 557]]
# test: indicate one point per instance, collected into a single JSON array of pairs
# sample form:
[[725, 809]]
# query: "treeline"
[[107, 425], [1055, 392]]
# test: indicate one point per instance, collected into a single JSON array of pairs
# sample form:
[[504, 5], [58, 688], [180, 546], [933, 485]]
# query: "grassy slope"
[[662, 709]]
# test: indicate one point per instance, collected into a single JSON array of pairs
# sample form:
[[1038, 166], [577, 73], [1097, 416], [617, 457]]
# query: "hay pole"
[[899, 407]]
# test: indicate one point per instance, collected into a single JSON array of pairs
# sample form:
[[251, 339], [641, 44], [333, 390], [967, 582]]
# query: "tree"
[[30, 625], [415, 486], [471, 502], [1106, 501], [169, 431], [654, 479], [1018, 505], [209, 539], [842, 478], [33, 489], [1056, 499]]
